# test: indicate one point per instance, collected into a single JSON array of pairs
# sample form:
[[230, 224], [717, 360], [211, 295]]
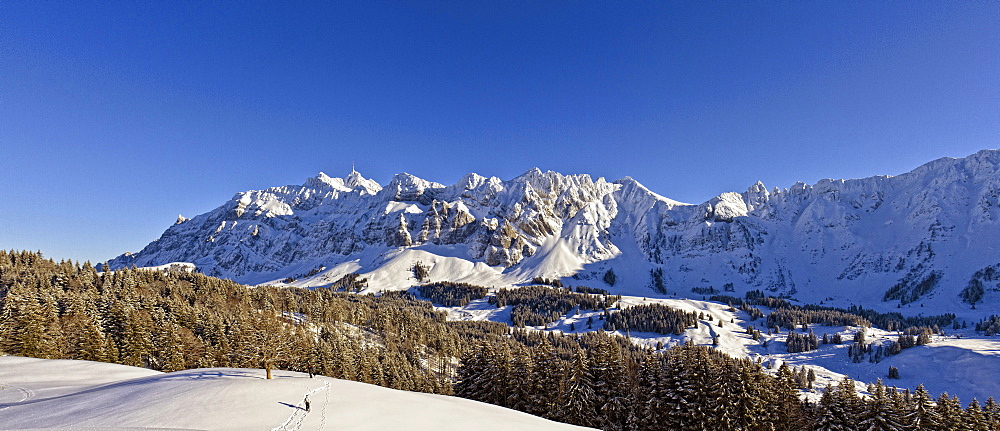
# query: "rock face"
[[496, 222], [913, 238]]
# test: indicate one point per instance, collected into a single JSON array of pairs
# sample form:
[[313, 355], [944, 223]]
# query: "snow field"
[[42, 393]]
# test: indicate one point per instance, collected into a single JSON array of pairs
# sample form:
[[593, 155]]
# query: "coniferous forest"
[[175, 319]]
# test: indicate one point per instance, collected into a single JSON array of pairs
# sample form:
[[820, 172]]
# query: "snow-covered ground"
[[60, 394], [960, 363], [959, 366]]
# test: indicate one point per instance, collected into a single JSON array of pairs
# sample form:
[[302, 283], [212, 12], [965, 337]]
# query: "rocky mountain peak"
[[923, 233]]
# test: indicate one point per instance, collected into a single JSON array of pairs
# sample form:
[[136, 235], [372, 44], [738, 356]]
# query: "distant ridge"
[[915, 239]]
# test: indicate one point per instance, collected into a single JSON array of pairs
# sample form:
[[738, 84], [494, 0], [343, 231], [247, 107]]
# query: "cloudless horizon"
[[117, 117]]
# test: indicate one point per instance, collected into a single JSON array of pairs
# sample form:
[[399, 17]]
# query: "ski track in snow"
[[69, 394], [300, 412], [26, 394], [326, 402]]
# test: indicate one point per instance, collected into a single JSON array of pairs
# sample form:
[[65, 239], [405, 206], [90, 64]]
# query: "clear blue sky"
[[117, 116]]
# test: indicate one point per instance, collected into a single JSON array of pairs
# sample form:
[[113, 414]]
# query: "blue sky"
[[116, 117]]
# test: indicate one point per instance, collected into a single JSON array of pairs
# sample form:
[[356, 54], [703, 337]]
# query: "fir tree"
[[879, 414], [839, 407], [949, 409], [522, 372], [24, 325], [266, 340], [922, 414], [578, 407], [975, 419], [992, 412], [608, 372], [546, 382]]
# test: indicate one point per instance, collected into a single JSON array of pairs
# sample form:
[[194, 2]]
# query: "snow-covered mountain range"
[[917, 238]]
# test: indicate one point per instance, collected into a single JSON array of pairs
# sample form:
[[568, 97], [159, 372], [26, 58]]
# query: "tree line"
[[694, 388], [989, 325], [541, 305], [790, 318], [449, 294], [811, 313], [614, 388], [177, 320], [974, 291], [656, 318], [909, 290]]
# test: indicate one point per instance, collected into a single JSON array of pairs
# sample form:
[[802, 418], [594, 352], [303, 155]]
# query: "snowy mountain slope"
[[285, 231], [851, 240], [920, 236], [40, 393]]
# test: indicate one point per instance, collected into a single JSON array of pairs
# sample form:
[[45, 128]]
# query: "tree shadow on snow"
[[196, 374]]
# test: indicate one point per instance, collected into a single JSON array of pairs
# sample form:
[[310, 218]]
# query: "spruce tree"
[[519, 397], [787, 401], [839, 407], [975, 419], [922, 414], [950, 411], [831, 412], [992, 412], [498, 371], [673, 397], [879, 414], [265, 341], [578, 407], [750, 398], [84, 339], [649, 402], [24, 326], [176, 354], [608, 370], [546, 382]]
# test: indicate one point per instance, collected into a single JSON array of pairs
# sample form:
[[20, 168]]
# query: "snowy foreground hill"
[[915, 240], [64, 394]]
